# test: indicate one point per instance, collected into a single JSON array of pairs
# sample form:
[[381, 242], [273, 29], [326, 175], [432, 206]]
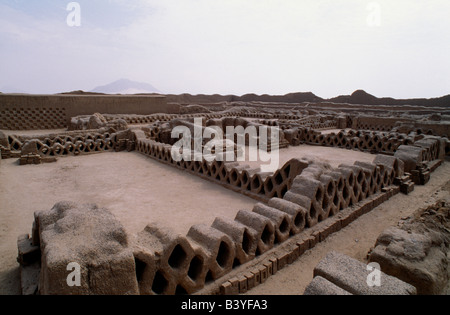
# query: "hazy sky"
[[397, 48]]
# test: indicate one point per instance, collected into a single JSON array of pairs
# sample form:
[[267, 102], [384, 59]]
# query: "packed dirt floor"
[[139, 190]]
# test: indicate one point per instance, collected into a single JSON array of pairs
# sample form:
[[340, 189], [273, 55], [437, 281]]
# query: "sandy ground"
[[359, 237]]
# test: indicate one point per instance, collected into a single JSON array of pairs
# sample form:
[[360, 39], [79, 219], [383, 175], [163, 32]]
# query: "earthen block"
[[407, 187], [101, 250], [321, 286], [424, 177], [262, 226], [219, 247], [312, 241], [257, 276], [411, 156], [378, 200], [345, 217], [27, 253], [324, 232], [268, 265], [315, 233], [364, 207], [280, 219], [395, 190], [250, 280], [282, 260], [274, 263], [264, 273], [414, 256], [433, 165], [243, 285], [244, 238], [230, 288], [303, 245], [295, 212], [352, 276], [294, 253]]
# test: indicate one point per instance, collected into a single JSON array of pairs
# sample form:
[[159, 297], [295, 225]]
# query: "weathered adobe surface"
[[417, 250]]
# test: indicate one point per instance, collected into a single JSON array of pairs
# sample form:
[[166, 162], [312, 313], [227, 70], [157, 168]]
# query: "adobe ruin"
[[295, 207]]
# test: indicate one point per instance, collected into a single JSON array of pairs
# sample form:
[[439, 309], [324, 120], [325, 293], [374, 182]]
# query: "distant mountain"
[[81, 92], [362, 97], [216, 98], [357, 97], [125, 86], [288, 98], [11, 89]]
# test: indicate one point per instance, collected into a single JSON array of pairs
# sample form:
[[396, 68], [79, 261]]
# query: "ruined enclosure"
[[211, 226]]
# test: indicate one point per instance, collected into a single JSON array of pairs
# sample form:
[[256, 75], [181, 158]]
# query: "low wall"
[[370, 141], [388, 123], [169, 263], [248, 181], [34, 112]]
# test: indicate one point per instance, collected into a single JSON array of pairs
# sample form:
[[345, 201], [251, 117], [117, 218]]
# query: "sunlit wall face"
[[329, 47]]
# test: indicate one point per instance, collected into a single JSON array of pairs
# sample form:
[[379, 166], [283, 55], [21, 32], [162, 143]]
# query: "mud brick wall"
[[369, 141], [170, 263], [263, 186], [375, 123], [388, 123], [281, 120], [33, 112], [71, 143], [249, 181], [22, 118], [159, 118]]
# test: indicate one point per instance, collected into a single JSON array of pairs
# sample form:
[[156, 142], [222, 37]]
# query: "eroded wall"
[[33, 112]]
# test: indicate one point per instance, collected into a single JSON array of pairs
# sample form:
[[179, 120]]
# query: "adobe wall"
[[387, 123], [33, 112]]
